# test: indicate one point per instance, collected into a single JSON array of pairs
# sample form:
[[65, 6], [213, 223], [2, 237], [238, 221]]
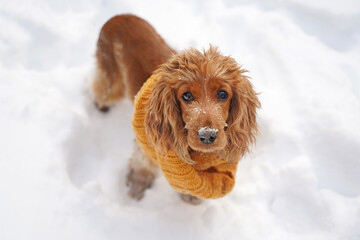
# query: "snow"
[[63, 163], [207, 129]]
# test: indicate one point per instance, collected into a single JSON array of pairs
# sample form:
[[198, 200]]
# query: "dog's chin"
[[207, 148]]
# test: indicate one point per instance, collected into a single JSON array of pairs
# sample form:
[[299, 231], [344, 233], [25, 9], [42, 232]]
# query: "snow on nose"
[[207, 135]]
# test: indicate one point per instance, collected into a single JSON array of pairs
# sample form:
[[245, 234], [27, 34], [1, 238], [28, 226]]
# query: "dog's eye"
[[222, 95], [187, 97]]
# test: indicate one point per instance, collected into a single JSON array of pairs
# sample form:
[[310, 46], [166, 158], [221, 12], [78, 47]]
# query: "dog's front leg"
[[142, 172]]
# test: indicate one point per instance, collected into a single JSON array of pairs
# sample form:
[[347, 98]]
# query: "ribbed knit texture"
[[209, 178]]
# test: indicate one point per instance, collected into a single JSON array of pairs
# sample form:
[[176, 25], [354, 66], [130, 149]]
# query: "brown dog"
[[202, 103]]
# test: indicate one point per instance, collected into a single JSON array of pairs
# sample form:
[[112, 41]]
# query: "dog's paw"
[[190, 199], [103, 109], [138, 182]]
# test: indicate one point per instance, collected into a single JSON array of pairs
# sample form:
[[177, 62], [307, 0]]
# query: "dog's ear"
[[242, 126], [163, 122]]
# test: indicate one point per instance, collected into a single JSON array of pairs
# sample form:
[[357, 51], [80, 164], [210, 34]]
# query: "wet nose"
[[207, 135]]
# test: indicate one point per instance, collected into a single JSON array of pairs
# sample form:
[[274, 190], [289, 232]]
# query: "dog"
[[203, 102]]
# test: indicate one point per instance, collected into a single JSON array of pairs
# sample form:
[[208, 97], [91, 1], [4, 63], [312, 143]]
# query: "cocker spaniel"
[[202, 102]]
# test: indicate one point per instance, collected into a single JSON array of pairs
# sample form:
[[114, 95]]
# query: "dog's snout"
[[207, 135]]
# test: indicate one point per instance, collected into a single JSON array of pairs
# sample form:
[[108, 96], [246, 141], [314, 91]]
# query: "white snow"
[[207, 129], [63, 164]]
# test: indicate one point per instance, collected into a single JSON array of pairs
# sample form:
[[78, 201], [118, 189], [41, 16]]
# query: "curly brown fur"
[[173, 124], [128, 51]]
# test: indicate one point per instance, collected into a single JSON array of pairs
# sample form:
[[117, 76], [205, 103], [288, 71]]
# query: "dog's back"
[[128, 51]]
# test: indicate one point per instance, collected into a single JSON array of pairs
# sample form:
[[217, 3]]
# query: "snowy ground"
[[62, 163]]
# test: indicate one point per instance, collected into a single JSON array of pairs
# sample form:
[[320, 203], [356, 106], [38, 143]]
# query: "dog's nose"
[[207, 135]]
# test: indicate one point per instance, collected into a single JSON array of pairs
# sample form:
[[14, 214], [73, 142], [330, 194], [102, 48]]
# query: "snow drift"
[[63, 163]]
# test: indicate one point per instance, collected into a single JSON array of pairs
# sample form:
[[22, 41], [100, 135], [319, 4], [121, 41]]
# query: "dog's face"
[[205, 106], [202, 102]]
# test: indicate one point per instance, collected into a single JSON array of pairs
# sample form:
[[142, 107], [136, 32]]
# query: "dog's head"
[[202, 102]]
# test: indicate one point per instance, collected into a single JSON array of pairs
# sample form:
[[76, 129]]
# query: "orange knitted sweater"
[[208, 178]]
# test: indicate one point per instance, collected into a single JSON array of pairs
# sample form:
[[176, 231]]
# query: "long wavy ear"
[[163, 123], [242, 126]]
